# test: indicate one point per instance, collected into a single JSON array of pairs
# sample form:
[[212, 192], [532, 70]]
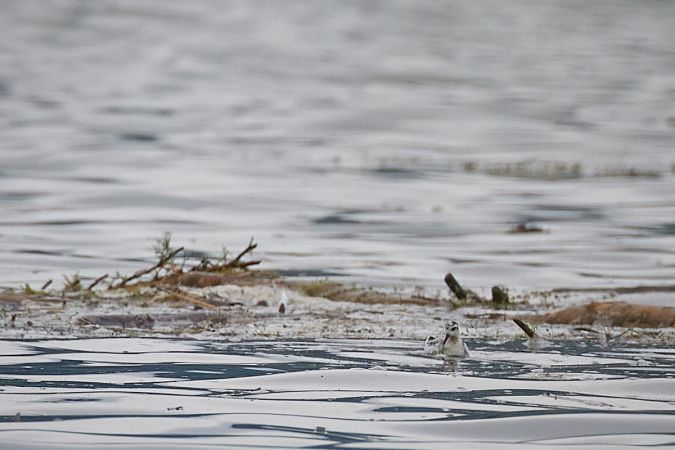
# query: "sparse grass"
[[164, 252], [28, 290], [319, 288], [72, 284]]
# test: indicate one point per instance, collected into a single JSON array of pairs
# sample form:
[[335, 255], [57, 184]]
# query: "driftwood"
[[159, 265], [466, 295], [206, 279], [237, 263], [454, 286], [189, 298]]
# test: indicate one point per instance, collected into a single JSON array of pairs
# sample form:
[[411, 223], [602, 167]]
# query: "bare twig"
[[236, 262], [46, 285], [245, 264], [160, 264], [97, 281]]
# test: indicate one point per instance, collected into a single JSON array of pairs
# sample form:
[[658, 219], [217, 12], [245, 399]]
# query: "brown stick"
[[525, 327], [236, 261], [97, 281], [454, 286], [189, 298], [44, 286], [142, 272], [245, 264]]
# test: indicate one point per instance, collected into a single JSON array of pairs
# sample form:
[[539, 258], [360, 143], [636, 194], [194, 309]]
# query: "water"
[[368, 140], [163, 393]]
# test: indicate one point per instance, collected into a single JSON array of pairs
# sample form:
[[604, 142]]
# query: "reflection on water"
[[385, 141], [152, 393]]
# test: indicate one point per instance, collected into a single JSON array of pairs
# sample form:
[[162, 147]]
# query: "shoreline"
[[250, 311], [227, 298]]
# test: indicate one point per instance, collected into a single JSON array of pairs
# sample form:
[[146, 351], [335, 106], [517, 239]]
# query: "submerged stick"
[[525, 327]]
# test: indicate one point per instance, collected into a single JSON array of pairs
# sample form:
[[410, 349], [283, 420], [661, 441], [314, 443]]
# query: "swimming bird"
[[450, 345], [453, 345], [432, 346]]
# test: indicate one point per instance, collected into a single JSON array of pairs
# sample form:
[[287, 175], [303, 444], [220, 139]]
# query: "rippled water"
[[369, 139], [151, 393]]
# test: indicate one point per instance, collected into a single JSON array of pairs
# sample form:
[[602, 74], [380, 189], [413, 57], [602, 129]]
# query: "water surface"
[[378, 141], [165, 393]]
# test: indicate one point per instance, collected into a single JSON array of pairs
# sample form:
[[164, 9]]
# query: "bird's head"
[[452, 329]]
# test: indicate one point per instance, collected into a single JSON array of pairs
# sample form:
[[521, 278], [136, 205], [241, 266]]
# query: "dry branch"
[[160, 264], [236, 262], [189, 298], [97, 281]]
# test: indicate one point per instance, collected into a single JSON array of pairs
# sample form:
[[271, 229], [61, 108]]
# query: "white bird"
[[432, 346], [283, 302], [451, 345]]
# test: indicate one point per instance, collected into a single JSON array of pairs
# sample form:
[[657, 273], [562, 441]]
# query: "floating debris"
[[526, 228]]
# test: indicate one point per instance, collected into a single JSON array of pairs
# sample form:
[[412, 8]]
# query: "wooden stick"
[[249, 263], [454, 286], [97, 281], [142, 272], [46, 285], [189, 298], [236, 261], [525, 327]]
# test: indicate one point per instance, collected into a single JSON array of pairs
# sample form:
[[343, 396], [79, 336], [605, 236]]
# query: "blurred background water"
[[384, 141]]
